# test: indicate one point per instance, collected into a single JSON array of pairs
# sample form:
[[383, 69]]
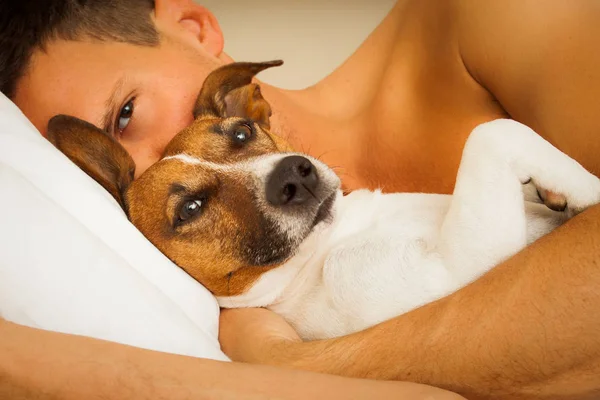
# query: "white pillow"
[[70, 261]]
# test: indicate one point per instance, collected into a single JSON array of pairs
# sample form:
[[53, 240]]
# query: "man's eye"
[[125, 116]]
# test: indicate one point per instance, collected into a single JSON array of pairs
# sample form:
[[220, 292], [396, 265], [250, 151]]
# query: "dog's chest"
[[375, 263]]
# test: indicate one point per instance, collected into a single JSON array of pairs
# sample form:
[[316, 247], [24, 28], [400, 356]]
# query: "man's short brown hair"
[[28, 25]]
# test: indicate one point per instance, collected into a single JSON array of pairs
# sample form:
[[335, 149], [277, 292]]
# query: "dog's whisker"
[[305, 150], [325, 153], [343, 174]]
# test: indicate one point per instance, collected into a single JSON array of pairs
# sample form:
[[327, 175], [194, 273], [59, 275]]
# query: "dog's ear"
[[95, 152], [229, 92]]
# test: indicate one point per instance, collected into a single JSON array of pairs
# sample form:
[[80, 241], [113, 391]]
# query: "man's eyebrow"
[[111, 106]]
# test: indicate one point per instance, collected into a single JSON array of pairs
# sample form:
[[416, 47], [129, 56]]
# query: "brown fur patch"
[[214, 248], [95, 152]]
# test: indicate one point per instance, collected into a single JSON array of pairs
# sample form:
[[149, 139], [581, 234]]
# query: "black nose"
[[293, 181]]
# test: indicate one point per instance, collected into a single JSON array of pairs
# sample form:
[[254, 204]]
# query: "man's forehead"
[[68, 77]]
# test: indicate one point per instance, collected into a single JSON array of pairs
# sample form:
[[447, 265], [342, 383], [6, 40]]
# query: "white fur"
[[386, 254]]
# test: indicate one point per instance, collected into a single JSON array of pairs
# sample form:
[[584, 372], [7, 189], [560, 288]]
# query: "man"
[[395, 115]]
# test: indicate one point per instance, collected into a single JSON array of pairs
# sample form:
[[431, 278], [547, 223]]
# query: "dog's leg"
[[486, 221]]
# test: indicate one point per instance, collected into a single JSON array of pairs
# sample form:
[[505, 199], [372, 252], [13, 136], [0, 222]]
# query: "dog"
[[262, 226]]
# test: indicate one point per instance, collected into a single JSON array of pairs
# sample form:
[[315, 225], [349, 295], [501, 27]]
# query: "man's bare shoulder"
[[540, 62]]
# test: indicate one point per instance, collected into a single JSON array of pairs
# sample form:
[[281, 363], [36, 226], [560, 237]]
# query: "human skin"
[[37, 364], [396, 115]]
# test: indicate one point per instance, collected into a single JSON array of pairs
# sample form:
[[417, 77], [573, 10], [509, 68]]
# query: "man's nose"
[[292, 182]]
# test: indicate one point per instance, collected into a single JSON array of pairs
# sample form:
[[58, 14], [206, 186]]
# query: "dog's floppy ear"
[[229, 92], [95, 152]]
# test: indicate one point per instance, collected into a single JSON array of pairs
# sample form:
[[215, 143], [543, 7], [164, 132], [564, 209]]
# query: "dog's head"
[[228, 201]]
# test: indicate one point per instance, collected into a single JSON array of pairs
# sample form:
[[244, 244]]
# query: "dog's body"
[[261, 226], [385, 254]]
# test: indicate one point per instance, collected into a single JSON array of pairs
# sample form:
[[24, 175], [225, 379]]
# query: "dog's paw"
[[553, 201], [584, 192]]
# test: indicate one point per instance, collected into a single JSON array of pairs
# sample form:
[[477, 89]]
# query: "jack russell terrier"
[[262, 226]]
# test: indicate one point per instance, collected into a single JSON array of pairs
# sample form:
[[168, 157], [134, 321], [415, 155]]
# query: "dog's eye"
[[189, 209], [242, 133]]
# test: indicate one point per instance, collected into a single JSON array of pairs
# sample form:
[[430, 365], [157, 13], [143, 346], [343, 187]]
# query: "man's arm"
[[36, 364]]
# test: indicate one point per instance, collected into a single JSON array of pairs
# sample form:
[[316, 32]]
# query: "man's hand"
[[258, 336]]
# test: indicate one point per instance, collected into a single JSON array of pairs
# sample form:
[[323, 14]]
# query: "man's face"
[[142, 95]]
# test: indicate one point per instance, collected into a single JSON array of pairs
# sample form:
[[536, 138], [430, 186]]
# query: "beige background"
[[312, 36]]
